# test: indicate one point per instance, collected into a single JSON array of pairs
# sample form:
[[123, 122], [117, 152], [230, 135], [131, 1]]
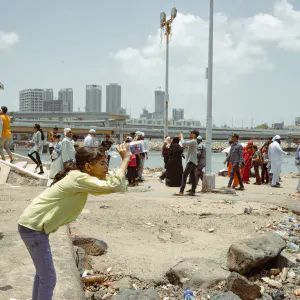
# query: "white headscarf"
[[66, 130], [276, 138]]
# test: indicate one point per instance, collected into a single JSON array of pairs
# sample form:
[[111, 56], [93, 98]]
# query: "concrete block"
[[4, 173]]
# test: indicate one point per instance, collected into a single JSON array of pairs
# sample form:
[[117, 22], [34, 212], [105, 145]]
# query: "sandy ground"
[[149, 231]]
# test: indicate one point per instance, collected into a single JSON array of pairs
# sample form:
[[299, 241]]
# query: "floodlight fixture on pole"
[[166, 26], [1, 86]]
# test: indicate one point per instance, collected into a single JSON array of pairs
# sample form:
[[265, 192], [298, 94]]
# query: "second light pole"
[[166, 24]]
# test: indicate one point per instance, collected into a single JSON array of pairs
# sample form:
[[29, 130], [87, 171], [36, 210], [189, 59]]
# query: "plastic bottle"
[[135, 147], [293, 246], [189, 295], [286, 227]]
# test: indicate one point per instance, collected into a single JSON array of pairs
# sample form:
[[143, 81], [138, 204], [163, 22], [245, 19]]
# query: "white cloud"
[[8, 39], [240, 48]]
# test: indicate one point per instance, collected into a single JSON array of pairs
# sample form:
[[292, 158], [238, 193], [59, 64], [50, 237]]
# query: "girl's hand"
[[124, 152]]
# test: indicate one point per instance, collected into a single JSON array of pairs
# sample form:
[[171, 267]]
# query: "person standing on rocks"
[[192, 162], [68, 150], [165, 155], [275, 157], [37, 149], [5, 133], [235, 156], [61, 204], [297, 162]]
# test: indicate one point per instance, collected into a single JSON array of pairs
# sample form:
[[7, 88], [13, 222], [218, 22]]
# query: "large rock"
[[240, 286], [197, 273], [226, 296], [254, 252], [149, 294]]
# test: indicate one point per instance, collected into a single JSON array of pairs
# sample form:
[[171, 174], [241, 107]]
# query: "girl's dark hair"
[[38, 127], [175, 140], [255, 147], [4, 109], [83, 156]]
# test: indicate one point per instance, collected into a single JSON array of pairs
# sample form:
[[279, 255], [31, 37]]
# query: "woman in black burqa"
[[174, 167]]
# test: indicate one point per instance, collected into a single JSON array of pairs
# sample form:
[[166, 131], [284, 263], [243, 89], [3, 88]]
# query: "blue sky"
[[58, 44]]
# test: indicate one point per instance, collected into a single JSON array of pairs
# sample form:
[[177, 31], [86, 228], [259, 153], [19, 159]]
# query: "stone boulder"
[[150, 294], [240, 286], [226, 296], [254, 252], [197, 273]]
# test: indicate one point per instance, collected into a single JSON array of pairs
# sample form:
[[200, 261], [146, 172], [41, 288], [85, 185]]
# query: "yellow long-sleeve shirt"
[[63, 202]]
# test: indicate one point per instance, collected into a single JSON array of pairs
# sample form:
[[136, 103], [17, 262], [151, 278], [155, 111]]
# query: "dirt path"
[[148, 231]]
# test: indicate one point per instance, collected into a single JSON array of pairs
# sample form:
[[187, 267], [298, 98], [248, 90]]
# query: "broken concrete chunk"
[[253, 252]]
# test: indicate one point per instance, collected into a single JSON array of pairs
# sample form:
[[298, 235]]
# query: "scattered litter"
[[135, 286], [74, 235], [104, 206], [108, 270], [297, 293], [269, 225], [248, 210], [147, 186], [211, 230], [85, 273], [93, 279], [189, 295], [184, 280], [150, 224]]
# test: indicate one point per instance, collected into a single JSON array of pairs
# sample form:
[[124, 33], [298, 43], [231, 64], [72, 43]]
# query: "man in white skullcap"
[[68, 150], [89, 141], [275, 158], [141, 157]]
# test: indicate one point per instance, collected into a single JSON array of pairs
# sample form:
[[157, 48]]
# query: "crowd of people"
[[266, 162]]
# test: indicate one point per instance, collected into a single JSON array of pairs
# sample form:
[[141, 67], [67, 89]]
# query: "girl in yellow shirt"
[[5, 133], [61, 204]]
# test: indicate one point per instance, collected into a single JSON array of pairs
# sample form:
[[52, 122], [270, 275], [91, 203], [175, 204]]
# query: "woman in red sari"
[[248, 153]]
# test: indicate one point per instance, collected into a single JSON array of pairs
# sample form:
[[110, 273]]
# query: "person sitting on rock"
[[61, 204]]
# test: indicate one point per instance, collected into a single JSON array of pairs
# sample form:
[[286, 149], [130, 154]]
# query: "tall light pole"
[[209, 179], [1, 86], [166, 24]]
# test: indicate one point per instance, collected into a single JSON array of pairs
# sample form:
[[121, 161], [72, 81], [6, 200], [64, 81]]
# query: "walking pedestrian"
[[165, 155], [275, 157], [229, 165], [174, 167], [192, 162], [265, 171], [247, 154], [68, 150], [37, 149], [297, 162], [61, 204], [141, 157], [235, 156], [257, 163], [5, 134], [89, 141], [201, 156], [56, 157]]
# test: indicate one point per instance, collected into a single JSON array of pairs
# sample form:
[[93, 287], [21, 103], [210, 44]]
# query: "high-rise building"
[[159, 104], [31, 100], [53, 106], [93, 100], [113, 98], [122, 111], [178, 114], [48, 95], [66, 95]]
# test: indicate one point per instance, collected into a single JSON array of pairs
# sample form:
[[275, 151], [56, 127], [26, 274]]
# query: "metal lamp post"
[[164, 23], [209, 179], [1, 86]]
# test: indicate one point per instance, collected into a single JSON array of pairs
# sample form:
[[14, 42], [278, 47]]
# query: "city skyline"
[[257, 49]]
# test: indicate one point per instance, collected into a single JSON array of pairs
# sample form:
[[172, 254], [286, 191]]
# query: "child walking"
[[61, 204]]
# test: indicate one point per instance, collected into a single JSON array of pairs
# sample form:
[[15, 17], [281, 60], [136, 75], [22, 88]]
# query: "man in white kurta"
[[275, 158], [89, 141], [68, 150]]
